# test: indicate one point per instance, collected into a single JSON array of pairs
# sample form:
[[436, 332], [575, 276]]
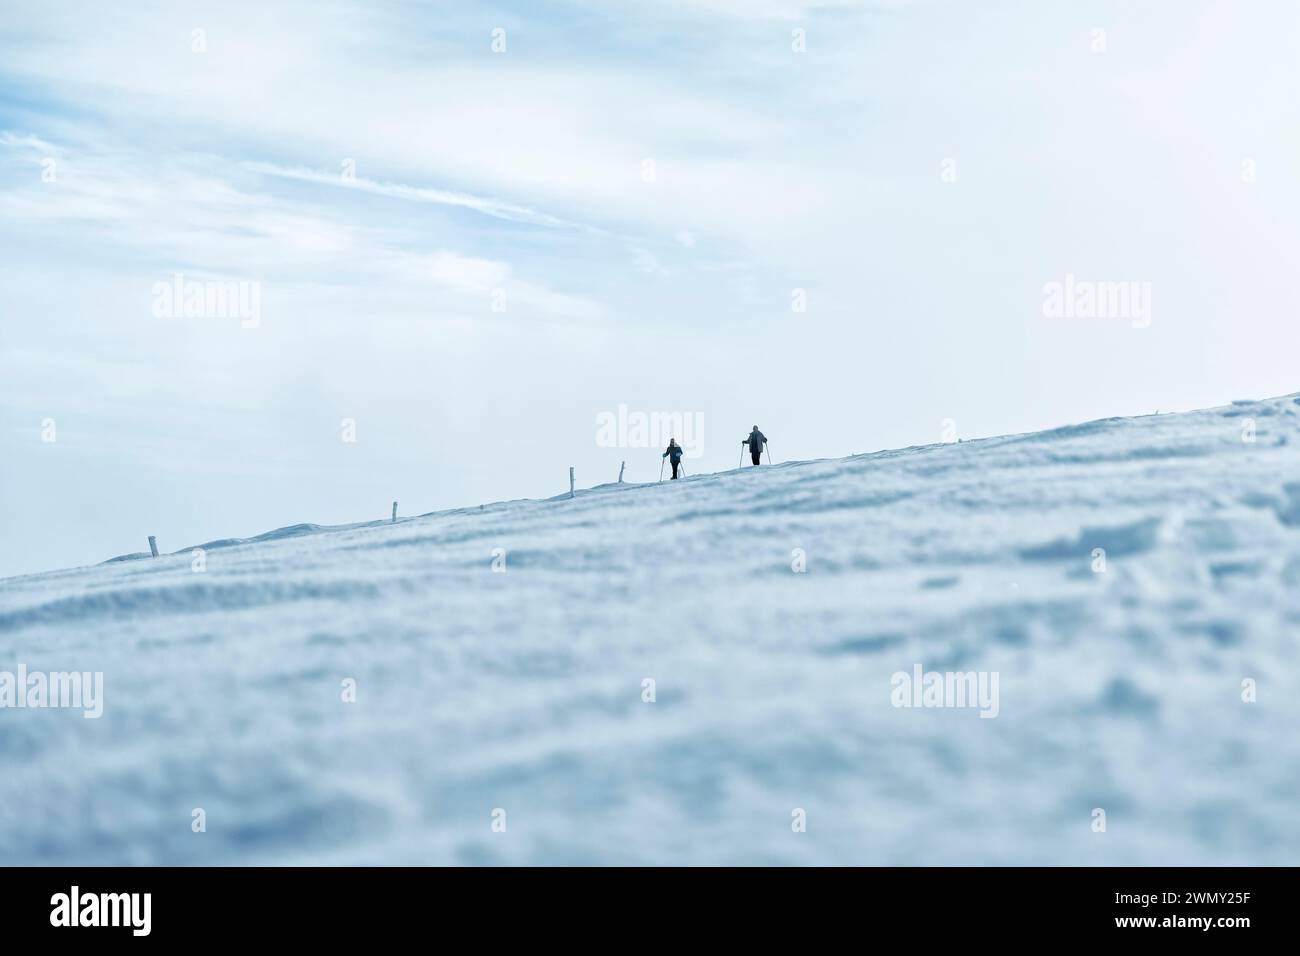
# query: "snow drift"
[[524, 690]]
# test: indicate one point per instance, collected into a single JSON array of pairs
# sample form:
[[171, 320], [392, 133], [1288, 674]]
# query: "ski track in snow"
[[522, 690]]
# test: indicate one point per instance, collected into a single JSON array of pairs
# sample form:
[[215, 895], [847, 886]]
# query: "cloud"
[[490, 285], [565, 145], [489, 207], [164, 213], [648, 264], [32, 146]]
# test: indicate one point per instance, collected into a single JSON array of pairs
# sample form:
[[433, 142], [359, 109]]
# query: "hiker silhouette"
[[675, 451]]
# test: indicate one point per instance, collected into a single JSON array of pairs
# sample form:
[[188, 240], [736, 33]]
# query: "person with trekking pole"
[[756, 441], [674, 455]]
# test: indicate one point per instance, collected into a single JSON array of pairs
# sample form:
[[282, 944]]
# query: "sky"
[[472, 230]]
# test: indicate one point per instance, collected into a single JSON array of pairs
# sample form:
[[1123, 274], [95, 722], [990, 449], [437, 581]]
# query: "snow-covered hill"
[[522, 690]]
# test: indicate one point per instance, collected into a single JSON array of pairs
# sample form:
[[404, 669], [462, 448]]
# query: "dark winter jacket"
[[757, 440], [675, 451]]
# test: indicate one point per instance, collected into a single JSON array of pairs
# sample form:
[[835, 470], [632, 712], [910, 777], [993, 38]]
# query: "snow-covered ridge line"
[[305, 528]]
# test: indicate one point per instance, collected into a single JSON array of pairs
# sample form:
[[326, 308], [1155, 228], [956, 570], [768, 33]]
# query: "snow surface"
[[522, 690]]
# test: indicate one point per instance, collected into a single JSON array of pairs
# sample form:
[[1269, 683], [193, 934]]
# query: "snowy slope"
[[522, 690]]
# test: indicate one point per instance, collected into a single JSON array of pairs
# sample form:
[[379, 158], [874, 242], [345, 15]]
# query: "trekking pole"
[[742, 456], [661, 469], [681, 466], [769, 453]]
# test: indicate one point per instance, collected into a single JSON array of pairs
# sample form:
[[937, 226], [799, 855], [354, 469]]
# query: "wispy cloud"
[[187, 212], [486, 206]]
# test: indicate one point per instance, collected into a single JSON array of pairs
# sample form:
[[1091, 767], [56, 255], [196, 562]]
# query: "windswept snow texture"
[[522, 690]]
